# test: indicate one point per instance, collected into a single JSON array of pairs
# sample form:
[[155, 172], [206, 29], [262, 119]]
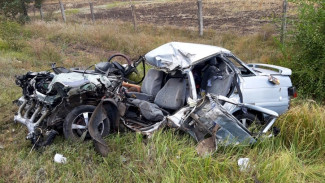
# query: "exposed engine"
[[48, 97]]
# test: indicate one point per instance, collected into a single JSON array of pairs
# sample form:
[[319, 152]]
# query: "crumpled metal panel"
[[181, 55], [98, 115], [74, 79], [230, 131]]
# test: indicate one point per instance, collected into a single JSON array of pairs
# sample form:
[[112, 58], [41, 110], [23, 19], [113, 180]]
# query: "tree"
[[17, 9]]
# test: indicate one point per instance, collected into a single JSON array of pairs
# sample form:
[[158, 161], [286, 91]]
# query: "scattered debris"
[[59, 158], [123, 159], [1, 147], [244, 164]]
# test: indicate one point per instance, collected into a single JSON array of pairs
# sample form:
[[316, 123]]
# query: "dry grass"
[[246, 5], [104, 36]]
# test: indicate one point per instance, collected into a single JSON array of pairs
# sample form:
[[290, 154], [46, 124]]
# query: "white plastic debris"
[[123, 159], [59, 158], [1, 146], [243, 164]]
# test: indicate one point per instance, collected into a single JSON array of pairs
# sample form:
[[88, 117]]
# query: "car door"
[[259, 91]]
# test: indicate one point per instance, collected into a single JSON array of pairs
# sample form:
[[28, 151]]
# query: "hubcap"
[[80, 125]]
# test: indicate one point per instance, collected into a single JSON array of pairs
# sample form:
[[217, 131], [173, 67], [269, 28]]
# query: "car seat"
[[172, 95], [170, 98], [150, 86], [217, 81]]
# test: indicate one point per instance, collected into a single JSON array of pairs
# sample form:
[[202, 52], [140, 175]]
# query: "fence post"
[[62, 11], [284, 21], [92, 11], [134, 17], [41, 12], [200, 17]]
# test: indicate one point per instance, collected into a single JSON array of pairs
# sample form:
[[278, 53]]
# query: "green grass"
[[296, 155], [115, 4], [72, 11], [166, 157]]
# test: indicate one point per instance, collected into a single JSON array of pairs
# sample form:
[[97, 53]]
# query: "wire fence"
[[244, 16]]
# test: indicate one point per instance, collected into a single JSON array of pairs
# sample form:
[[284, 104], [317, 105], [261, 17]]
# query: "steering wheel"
[[119, 55], [118, 65]]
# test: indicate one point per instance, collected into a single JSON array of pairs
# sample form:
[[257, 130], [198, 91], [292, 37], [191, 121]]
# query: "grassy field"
[[296, 155]]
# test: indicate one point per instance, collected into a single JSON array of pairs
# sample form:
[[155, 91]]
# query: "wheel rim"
[[80, 125]]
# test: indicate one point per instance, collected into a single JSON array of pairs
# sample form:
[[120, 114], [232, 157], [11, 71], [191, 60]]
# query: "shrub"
[[308, 49], [11, 33]]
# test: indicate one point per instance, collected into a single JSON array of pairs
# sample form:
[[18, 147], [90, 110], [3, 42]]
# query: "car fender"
[[107, 108]]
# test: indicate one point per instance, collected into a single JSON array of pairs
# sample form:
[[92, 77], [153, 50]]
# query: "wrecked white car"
[[203, 90], [63, 100]]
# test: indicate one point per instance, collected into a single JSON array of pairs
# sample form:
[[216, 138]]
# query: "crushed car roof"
[[181, 55]]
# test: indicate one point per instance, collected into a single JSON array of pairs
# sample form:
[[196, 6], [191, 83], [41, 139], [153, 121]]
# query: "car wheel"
[[75, 125], [251, 122]]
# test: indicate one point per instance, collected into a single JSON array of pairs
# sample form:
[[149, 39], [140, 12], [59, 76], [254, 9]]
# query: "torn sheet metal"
[[145, 130], [208, 145], [207, 121], [97, 117], [181, 55], [211, 114], [73, 80]]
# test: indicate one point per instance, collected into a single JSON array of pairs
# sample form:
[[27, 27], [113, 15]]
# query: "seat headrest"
[[212, 61], [152, 82]]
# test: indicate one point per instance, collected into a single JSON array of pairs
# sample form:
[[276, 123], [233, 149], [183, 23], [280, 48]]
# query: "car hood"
[[181, 55]]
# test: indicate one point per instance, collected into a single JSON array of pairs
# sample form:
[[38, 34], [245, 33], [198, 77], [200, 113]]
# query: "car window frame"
[[243, 64]]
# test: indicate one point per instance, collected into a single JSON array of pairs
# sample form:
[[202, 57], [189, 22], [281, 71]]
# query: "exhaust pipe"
[[30, 123]]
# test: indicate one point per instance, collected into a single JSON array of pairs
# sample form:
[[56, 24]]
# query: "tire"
[[75, 124], [250, 121]]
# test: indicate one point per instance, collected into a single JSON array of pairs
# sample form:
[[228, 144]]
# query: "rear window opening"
[[243, 70]]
